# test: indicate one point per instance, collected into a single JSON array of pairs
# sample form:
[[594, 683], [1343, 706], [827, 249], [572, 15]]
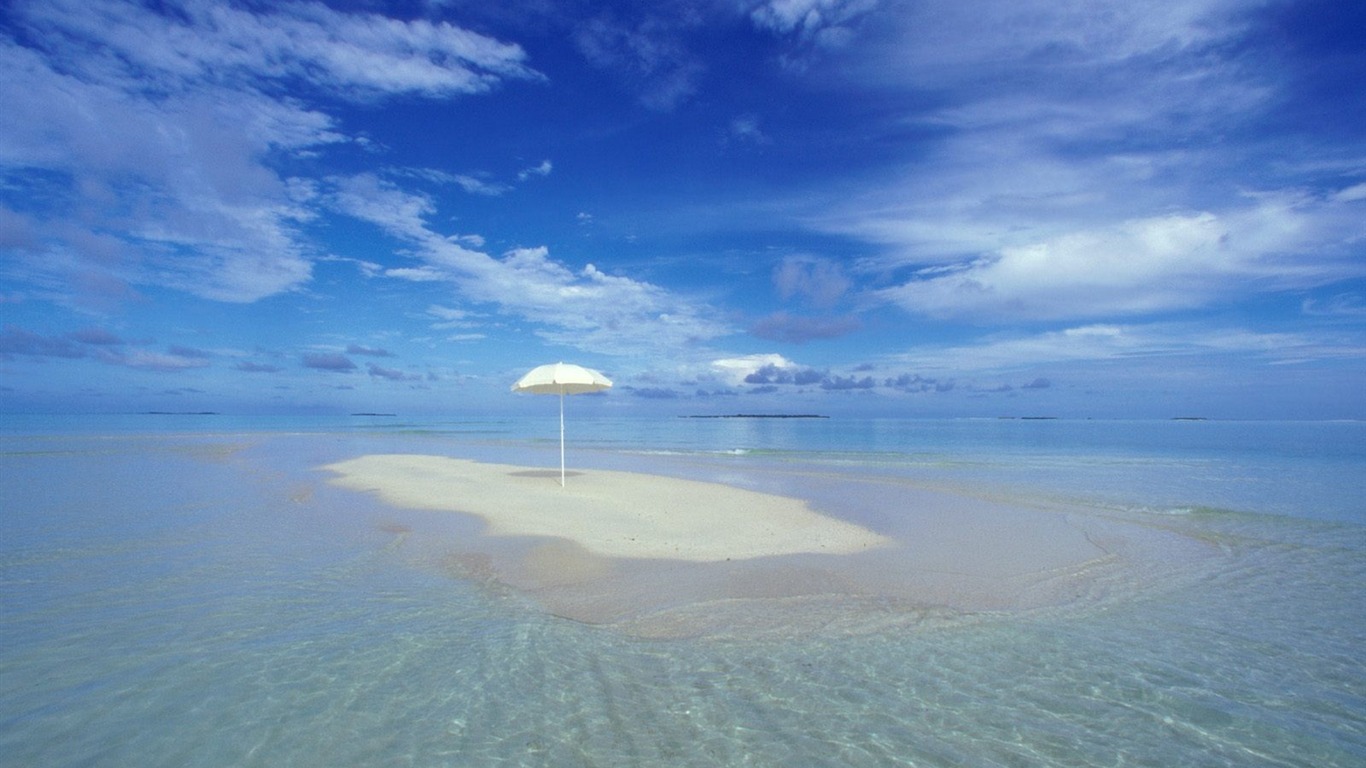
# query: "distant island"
[[180, 413], [365, 413], [760, 416]]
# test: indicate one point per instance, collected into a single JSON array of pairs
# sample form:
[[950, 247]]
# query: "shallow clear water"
[[176, 597]]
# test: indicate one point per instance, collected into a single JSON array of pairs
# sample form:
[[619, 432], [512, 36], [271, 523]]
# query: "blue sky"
[[930, 208]]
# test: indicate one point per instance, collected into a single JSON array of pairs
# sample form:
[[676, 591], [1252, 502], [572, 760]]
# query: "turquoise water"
[[189, 591]]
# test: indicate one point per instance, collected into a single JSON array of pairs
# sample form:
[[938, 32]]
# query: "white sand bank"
[[611, 514]]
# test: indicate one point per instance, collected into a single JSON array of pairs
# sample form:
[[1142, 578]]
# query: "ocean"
[[189, 590]]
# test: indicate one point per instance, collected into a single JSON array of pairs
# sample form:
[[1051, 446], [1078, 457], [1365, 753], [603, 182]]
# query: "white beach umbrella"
[[561, 379]]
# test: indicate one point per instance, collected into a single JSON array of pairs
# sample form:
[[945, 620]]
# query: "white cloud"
[[939, 42], [181, 180], [1351, 194], [478, 186], [1175, 261], [164, 129], [1103, 343], [354, 55], [543, 169], [370, 198], [450, 318], [1075, 163], [156, 361], [745, 129], [734, 370], [819, 20], [819, 281], [587, 309], [646, 55], [417, 274]]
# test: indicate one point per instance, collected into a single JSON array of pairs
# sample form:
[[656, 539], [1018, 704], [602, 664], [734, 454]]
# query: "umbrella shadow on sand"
[[544, 474]]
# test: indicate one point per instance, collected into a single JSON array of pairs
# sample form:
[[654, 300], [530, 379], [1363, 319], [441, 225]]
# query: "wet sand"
[[667, 556]]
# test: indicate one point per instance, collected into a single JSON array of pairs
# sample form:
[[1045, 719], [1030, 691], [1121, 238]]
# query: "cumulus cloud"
[[846, 383], [907, 382], [735, 370], [774, 374]]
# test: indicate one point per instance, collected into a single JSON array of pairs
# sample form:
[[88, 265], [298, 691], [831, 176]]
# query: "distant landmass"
[[760, 416], [180, 413], [366, 413]]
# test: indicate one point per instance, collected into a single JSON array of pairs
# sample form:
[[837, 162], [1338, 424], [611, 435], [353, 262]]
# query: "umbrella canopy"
[[561, 379]]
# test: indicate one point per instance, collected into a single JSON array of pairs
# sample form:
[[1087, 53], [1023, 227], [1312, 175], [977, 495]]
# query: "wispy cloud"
[[648, 56], [1142, 266], [98, 345], [475, 185], [358, 349], [543, 169], [391, 374], [1078, 164], [585, 308], [818, 281], [167, 128], [745, 129], [328, 361], [799, 329], [818, 24], [1111, 343], [350, 55]]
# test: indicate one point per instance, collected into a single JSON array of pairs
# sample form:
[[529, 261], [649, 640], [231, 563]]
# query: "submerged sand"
[[664, 556], [612, 514]]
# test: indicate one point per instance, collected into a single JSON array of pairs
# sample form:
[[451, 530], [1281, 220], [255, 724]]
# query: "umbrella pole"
[[561, 438]]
